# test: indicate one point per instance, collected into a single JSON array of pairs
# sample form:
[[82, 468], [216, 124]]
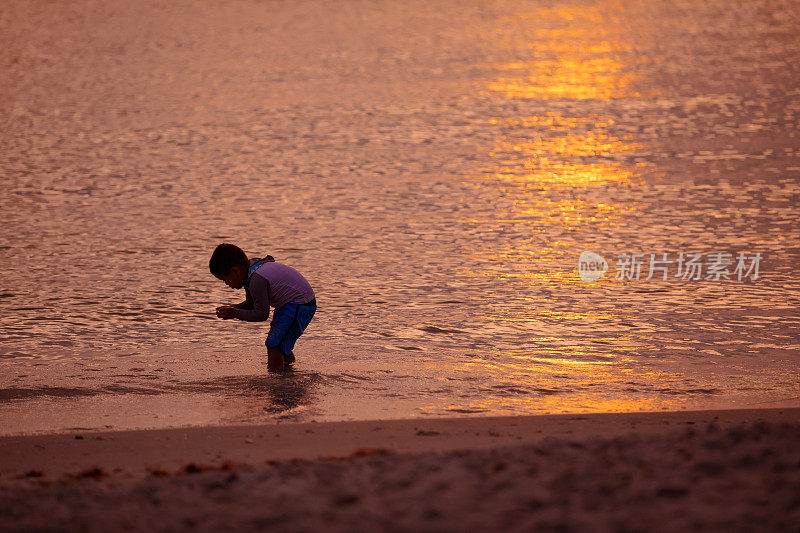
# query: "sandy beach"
[[734, 470]]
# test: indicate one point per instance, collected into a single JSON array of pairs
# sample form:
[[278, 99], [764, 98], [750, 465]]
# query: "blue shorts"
[[288, 323]]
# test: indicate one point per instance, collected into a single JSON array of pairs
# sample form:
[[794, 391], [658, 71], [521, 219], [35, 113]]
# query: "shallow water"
[[434, 169]]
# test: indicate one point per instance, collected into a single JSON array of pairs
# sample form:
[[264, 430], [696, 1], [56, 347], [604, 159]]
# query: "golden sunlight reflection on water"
[[566, 77], [551, 161], [574, 53], [508, 385]]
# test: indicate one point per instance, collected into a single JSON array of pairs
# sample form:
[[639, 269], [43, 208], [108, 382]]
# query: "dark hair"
[[225, 257]]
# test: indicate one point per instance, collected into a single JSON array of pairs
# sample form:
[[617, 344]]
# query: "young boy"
[[266, 283]]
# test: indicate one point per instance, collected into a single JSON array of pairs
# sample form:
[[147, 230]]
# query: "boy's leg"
[[302, 316], [274, 359], [288, 324], [282, 320]]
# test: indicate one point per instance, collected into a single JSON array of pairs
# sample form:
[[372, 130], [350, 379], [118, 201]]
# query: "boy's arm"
[[247, 304], [257, 303]]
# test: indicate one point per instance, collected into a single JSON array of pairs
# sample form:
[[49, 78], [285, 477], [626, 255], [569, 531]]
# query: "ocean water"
[[435, 169]]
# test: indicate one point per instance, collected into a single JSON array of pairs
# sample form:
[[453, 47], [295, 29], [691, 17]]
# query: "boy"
[[266, 283]]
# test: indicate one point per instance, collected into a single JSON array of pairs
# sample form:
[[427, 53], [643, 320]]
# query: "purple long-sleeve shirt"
[[272, 284]]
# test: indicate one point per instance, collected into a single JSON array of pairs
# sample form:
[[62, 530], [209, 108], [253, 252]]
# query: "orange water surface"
[[435, 169]]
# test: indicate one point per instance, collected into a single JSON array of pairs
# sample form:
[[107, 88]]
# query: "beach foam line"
[[143, 452]]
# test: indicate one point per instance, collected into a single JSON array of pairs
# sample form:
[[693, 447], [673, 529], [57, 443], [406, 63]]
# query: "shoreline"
[[134, 453]]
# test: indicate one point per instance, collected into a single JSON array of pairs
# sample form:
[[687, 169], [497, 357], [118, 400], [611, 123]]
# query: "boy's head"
[[229, 263]]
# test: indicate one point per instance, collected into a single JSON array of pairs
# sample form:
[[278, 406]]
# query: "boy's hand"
[[226, 311]]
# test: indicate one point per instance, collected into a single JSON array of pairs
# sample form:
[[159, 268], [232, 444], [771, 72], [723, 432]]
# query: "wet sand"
[[736, 470]]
